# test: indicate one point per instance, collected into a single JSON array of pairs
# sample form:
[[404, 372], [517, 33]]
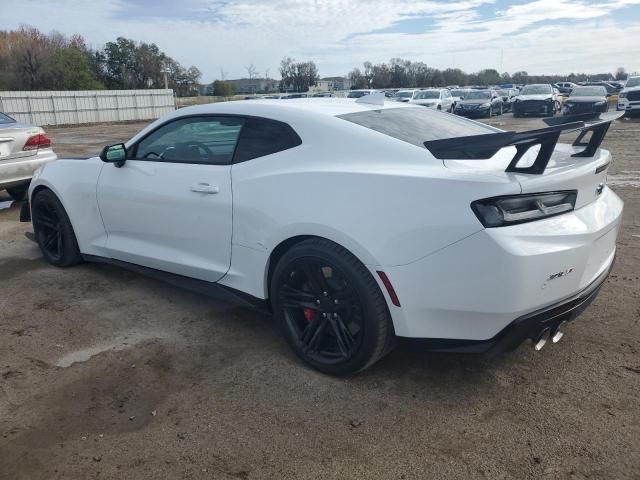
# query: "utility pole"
[[165, 71]]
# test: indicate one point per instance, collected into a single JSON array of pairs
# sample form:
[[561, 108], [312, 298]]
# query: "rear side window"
[[260, 137], [417, 125]]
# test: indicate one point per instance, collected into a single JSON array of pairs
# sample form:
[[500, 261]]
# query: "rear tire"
[[330, 308], [18, 193], [53, 231]]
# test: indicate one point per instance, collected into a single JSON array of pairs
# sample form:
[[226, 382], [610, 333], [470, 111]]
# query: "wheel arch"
[[286, 244]]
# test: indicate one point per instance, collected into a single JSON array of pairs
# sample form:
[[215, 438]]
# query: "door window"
[[207, 140]]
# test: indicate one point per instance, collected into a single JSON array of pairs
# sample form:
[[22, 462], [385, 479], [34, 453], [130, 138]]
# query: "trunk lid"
[[563, 172]]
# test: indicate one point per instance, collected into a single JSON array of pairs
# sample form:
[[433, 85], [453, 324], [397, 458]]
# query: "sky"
[[538, 36]]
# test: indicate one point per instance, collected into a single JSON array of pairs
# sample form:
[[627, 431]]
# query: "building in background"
[[337, 83], [255, 85]]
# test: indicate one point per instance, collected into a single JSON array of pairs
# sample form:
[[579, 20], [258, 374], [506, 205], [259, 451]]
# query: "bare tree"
[[252, 72], [223, 74]]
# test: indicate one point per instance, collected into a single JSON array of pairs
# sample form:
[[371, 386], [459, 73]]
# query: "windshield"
[[404, 94], [633, 82], [428, 94], [457, 93], [6, 118], [357, 94], [588, 92], [477, 95], [503, 93], [536, 90], [416, 125]]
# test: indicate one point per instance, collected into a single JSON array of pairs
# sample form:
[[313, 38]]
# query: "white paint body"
[[390, 203], [444, 102]]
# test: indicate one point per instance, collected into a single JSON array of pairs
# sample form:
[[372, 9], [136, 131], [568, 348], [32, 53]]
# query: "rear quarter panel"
[[387, 201]]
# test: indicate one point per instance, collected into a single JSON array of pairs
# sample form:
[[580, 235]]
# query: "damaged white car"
[[353, 221]]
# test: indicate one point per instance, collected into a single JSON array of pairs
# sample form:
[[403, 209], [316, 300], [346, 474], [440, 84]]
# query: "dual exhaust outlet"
[[546, 334]]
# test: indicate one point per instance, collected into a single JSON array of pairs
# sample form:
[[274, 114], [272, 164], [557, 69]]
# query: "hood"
[[475, 101], [632, 89], [425, 101], [544, 96], [593, 99]]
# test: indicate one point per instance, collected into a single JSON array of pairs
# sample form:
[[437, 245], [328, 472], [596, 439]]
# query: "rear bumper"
[[475, 288], [20, 170], [526, 327]]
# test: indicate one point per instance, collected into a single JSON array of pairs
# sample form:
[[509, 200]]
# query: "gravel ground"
[[108, 374]]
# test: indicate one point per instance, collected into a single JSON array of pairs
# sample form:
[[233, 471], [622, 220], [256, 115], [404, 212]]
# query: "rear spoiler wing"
[[483, 147]]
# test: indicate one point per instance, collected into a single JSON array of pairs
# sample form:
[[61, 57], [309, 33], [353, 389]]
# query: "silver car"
[[23, 149]]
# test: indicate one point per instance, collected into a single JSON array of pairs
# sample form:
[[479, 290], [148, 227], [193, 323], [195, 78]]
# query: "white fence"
[[86, 106]]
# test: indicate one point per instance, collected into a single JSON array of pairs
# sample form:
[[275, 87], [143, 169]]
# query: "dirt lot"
[[107, 374]]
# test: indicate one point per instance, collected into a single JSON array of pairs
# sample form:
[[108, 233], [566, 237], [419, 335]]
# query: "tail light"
[[34, 142], [514, 209]]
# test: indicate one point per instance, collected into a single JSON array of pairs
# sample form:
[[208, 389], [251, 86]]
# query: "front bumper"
[[476, 287], [576, 108], [629, 106], [472, 112], [532, 107]]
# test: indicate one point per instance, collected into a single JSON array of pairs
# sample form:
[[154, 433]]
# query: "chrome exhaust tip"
[[557, 335], [541, 340]]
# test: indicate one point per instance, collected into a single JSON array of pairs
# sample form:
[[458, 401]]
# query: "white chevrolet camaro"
[[353, 221]]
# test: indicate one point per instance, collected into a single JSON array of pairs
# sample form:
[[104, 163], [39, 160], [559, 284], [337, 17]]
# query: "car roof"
[[291, 108]]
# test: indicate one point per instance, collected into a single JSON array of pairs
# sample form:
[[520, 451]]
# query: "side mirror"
[[116, 154]]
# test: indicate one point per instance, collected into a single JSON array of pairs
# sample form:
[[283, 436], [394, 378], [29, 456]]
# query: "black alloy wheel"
[[330, 308], [53, 231]]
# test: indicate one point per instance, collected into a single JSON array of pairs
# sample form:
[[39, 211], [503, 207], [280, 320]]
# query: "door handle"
[[205, 188]]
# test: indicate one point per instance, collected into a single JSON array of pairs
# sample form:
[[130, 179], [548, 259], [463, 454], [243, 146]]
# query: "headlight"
[[601, 103], [622, 95], [485, 105], [514, 209]]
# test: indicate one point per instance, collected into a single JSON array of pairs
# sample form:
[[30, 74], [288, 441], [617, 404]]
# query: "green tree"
[[223, 89], [71, 70]]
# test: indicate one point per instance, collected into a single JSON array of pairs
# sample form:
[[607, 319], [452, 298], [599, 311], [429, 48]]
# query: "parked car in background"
[[479, 103], [565, 88], [322, 95], [277, 96], [291, 96], [586, 100], [360, 93], [629, 97], [611, 90], [23, 149], [435, 98], [536, 99], [404, 95], [457, 95], [508, 96]]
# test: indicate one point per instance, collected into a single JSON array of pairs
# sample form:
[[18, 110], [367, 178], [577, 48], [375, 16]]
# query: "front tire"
[[330, 308], [18, 193], [53, 231]]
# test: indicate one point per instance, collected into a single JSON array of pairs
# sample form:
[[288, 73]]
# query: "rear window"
[[260, 137], [417, 125], [6, 118]]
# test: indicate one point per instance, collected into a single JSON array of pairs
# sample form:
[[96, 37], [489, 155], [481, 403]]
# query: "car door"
[[447, 100], [169, 206]]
